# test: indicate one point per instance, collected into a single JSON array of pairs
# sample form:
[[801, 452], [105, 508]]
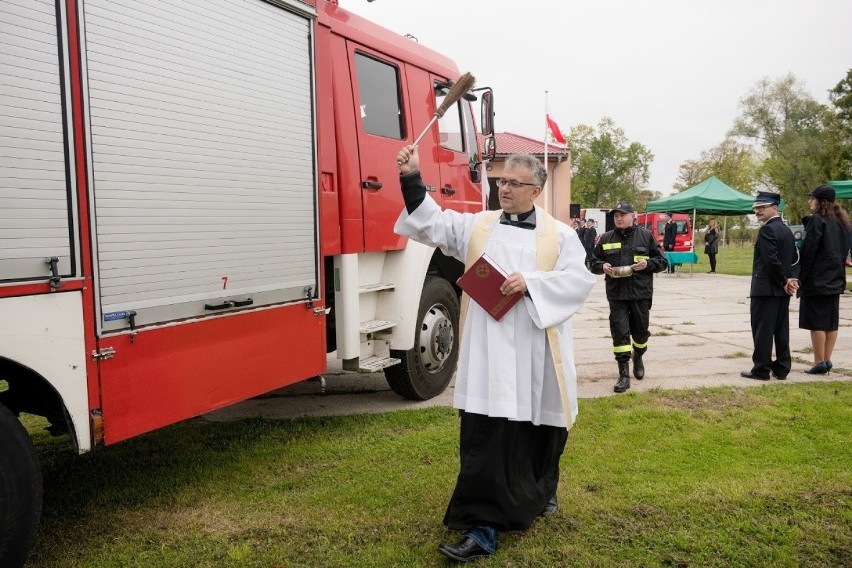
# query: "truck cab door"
[[384, 124], [461, 187]]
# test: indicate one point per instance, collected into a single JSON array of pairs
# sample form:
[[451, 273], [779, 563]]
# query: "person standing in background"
[[711, 244], [772, 283], [589, 237], [669, 237], [822, 274]]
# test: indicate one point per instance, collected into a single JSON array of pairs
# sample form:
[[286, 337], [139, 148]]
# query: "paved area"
[[700, 337]]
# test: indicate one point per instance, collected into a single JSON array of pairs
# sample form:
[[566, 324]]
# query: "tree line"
[[783, 140]]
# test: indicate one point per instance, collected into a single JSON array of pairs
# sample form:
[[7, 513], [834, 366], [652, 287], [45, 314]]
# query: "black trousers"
[[509, 471], [712, 258], [629, 318], [770, 323]]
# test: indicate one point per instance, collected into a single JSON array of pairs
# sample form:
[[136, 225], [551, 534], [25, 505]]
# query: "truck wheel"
[[20, 491], [426, 369]]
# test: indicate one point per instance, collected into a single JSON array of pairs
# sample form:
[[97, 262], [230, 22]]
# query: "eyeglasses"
[[513, 183], [760, 208]]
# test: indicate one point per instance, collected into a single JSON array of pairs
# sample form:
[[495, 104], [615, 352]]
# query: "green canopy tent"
[[842, 189], [711, 197]]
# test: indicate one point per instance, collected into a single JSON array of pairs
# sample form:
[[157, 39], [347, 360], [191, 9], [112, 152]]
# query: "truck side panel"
[[37, 192], [160, 377], [204, 181]]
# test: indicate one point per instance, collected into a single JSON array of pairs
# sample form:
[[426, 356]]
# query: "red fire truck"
[[656, 223], [197, 203]]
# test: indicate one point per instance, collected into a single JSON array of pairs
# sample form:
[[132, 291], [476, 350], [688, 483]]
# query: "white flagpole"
[[546, 130]]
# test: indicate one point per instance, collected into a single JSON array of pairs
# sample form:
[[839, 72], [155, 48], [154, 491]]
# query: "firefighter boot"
[[623, 376], [638, 365]]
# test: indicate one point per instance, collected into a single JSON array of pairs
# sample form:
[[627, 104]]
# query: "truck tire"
[[426, 369], [20, 491]]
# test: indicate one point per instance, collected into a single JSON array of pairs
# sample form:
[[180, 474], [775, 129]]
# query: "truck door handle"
[[370, 184], [448, 190], [229, 304]]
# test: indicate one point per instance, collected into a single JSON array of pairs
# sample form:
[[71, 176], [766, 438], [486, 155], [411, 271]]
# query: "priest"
[[516, 385]]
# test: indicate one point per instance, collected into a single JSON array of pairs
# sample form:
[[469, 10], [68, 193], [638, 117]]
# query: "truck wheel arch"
[[30, 392]]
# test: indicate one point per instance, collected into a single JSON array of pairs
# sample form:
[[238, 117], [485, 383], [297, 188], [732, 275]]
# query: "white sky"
[[669, 72]]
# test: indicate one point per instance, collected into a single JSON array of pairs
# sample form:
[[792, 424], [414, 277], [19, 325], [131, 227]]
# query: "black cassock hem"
[[509, 471]]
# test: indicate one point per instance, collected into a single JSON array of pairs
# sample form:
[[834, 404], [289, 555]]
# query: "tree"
[[789, 124], [838, 127], [734, 163], [606, 166], [841, 97]]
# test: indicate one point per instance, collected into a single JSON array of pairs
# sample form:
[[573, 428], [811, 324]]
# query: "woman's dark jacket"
[[824, 249], [711, 242]]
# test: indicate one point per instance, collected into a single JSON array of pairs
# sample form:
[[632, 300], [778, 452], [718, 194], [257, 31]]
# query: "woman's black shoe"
[[820, 368]]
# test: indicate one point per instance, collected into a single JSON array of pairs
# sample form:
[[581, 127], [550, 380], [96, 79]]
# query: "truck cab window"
[[380, 100], [450, 125], [456, 129]]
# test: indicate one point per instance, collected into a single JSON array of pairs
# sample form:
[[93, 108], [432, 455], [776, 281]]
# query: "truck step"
[[375, 364], [376, 287], [373, 326]]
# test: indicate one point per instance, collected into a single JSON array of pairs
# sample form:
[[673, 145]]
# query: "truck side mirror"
[[489, 148], [487, 113]]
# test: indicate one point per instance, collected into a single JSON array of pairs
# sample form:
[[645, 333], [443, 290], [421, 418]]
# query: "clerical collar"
[[522, 220]]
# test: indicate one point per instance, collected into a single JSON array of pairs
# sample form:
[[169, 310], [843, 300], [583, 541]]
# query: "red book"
[[482, 283]]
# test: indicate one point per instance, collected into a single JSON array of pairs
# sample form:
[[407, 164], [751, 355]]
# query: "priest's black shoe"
[[750, 375], [551, 508], [465, 551]]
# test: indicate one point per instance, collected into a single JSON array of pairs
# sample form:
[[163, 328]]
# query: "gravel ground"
[[700, 337]]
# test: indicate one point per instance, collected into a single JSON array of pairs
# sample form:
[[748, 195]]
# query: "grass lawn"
[[738, 261], [757, 476]]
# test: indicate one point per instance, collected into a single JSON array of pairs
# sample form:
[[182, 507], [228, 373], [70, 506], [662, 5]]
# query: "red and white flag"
[[554, 130]]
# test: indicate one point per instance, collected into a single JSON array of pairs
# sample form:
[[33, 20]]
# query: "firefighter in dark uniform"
[[629, 290], [772, 282]]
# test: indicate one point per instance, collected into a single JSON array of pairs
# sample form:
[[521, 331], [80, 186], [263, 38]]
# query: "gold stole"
[[547, 251]]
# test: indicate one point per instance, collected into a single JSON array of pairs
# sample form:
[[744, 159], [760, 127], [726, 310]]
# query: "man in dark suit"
[[772, 272], [669, 237], [588, 238]]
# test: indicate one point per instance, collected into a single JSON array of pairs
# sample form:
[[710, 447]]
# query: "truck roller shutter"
[[36, 191], [202, 150]]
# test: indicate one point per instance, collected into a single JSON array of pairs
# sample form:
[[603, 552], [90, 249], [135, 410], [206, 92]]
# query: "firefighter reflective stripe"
[[610, 246], [621, 349], [640, 345], [639, 257]]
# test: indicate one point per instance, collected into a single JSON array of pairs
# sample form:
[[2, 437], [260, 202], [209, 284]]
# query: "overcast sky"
[[669, 72]]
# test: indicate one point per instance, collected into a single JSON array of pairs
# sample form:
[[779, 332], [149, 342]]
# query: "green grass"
[[738, 262], [720, 477]]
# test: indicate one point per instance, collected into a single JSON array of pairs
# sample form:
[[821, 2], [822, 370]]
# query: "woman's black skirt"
[[819, 313]]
